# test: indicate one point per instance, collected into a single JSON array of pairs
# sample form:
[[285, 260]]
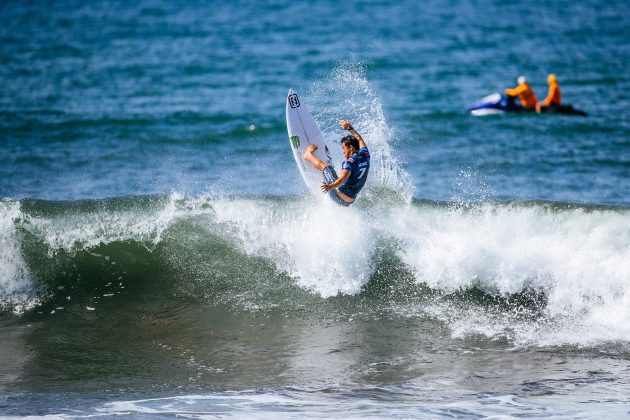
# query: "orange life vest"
[[554, 96], [525, 93]]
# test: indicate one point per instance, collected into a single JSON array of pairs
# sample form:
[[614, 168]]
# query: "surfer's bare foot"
[[309, 150], [312, 159]]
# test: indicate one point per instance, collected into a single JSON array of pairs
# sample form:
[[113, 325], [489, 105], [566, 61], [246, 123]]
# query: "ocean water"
[[160, 255]]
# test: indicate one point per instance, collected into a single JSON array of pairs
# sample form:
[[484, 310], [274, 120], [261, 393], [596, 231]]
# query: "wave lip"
[[564, 265], [15, 280], [44, 241]]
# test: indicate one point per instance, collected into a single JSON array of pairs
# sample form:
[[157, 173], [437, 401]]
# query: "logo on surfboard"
[[294, 101], [295, 141]]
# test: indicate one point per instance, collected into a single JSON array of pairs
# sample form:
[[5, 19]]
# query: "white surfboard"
[[303, 131]]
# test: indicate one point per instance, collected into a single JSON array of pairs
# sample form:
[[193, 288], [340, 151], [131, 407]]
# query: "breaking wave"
[[532, 272]]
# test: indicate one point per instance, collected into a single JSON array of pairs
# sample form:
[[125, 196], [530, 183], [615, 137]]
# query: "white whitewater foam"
[[581, 259], [15, 281], [325, 247]]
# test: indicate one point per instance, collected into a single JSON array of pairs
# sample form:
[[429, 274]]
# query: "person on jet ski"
[[554, 96], [524, 92]]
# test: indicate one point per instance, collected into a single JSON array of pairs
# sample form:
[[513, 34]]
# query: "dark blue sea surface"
[[160, 254]]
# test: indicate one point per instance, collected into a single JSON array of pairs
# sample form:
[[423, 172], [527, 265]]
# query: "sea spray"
[[92, 223], [16, 288], [326, 248], [348, 94]]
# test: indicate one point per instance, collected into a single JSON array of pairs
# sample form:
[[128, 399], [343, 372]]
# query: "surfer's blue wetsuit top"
[[359, 166]]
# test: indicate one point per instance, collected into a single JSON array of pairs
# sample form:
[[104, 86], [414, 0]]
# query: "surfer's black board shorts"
[[331, 176]]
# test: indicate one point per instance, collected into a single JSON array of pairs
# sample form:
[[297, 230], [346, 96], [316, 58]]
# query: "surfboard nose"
[[293, 100]]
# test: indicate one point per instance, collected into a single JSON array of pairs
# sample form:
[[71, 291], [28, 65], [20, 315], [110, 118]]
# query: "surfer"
[[554, 96], [524, 92], [354, 169]]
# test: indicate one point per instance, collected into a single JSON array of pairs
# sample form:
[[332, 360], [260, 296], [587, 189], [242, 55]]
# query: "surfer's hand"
[[325, 187], [345, 124]]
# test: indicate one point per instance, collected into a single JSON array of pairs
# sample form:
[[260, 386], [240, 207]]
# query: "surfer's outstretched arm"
[[345, 124]]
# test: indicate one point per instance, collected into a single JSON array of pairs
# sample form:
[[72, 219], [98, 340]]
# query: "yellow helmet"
[[552, 78]]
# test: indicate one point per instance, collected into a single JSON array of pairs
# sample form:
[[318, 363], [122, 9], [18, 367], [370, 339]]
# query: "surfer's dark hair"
[[350, 141]]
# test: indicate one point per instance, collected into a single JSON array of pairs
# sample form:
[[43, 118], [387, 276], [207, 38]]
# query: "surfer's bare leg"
[[314, 160]]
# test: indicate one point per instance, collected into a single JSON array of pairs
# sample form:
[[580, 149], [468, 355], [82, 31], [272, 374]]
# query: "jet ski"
[[499, 103]]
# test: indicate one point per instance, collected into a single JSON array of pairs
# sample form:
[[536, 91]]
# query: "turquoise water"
[[153, 222]]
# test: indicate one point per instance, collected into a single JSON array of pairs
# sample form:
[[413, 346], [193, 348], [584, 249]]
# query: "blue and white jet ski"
[[498, 103]]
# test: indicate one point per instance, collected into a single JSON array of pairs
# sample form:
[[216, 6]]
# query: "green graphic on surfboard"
[[303, 131]]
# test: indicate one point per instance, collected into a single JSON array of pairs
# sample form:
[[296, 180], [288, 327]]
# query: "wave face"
[[532, 272]]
